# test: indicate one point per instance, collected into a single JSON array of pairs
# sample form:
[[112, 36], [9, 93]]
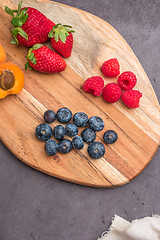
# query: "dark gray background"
[[35, 206]]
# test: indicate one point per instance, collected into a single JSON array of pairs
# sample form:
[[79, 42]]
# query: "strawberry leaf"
[[31, 56], [24, 19], [15, 32], [63, 37], [37, 46], [56, 36], [19, 7], [51, 34], [17, 22], [56, 26], [26, 65], [15, 11], [9, 11], [24, 11], [67, 26], [14, 40], [33, 60], [71, 31], [22, 33]]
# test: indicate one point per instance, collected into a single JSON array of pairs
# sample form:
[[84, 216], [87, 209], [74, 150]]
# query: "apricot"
[[11, 79], [2, 54]]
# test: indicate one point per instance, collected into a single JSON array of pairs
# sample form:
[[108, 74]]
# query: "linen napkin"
[[147, 228]]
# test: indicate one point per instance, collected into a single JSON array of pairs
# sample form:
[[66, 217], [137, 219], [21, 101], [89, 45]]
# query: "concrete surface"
[[35, 206]]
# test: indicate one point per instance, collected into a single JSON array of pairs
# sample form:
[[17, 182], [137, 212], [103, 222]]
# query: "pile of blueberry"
[[96, 149]]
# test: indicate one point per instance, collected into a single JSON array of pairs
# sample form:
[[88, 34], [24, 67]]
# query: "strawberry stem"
[[19, 18], [61, 32], [31, 56]]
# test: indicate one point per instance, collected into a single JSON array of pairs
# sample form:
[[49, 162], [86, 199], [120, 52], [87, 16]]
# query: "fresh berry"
[[43, 59], [96, 150], [96, 123], [80, 119], [62, 39], [64, 115], [71, 129], [51, 147], [49, 116], [65, 146], [88, 135], [77, 142], [59, 132], [131, 98], [110, 136], [111, 92], [111, 68], [43, 131], [127, 80], [94, 85], [30, 26]]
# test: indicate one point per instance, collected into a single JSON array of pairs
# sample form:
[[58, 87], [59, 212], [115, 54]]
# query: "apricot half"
[[2, 54], [11, 79]]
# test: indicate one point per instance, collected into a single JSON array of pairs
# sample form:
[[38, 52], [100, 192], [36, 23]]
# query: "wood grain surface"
[[94, 42]]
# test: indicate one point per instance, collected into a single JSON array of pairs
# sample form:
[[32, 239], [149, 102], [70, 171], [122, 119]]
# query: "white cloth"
[[147, 228]]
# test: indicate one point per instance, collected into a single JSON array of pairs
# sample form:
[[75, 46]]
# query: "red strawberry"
[[30, 26], [62, 39], [43, 59], [111, 68], [131, 98]]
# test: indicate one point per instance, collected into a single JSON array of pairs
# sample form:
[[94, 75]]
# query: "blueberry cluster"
[[95, 149]]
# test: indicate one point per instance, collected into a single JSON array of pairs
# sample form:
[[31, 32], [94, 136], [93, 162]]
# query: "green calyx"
[[19, 18], [61, 32], [31, 56]]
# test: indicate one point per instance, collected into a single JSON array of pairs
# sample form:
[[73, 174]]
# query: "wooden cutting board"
[[94, 42]]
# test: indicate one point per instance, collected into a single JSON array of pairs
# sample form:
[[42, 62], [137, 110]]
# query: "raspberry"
[[131, 98], [94, 85], [111, 68], [112, 92], [127, 80]]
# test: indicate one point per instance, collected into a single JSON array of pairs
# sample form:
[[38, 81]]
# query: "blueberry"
[[51, 147], [96, 150], [96, 123], [43, 131], [77, 142], [64, 115], [88, 135], [49, 116], [110, 136], [80, 119], [59, 132], [65, 146], [71, 129]]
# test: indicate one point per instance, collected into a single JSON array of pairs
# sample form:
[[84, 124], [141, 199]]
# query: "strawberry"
[[30, 26], [44, 59], [62, 39]]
